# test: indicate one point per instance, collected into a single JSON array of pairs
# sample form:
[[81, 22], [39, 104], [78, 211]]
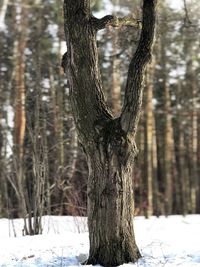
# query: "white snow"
[[163, 242]]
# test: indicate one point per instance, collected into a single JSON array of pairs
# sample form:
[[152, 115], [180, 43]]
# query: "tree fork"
[[108, 142]]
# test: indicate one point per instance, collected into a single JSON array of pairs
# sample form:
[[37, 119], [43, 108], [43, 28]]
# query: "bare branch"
[[85, 84], [134, 88], [187, 18], [114, 21]]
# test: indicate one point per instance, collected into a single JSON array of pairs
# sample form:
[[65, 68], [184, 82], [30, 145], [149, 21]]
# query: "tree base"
[[105, 258]]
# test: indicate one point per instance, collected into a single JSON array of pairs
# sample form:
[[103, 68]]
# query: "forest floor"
[[163, 242]]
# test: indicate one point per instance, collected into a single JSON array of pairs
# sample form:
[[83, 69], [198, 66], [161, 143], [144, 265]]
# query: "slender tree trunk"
[[20, 118], [168, 153], [116, 92], [116, 86], [20, 45], [168, 145], [183, 173], [193, 150], [2, 159], [2, 132], [181, 157], [156, 200], [141, 165], [149, 137], [191, 94], [58, 167], [198, 164]]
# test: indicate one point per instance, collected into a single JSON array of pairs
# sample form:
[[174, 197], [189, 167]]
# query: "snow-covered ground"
[[163, 242]]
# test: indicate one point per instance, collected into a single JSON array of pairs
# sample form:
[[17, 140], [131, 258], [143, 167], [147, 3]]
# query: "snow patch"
[[169, 242]]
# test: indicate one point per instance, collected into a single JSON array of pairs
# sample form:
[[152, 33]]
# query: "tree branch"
[[187, 17], [82, 69], [134, 87], [114, 21]]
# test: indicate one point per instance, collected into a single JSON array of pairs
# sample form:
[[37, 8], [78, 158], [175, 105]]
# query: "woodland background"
[[42, 166]]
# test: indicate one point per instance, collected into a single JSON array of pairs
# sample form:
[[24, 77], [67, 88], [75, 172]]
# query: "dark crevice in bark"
[[113, 138], [99, 24]]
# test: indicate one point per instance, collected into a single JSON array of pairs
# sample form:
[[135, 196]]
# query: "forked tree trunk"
[[108, 141]]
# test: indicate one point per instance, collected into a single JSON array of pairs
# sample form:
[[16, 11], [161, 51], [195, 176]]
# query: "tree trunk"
[[149, 137], [116, 86], [20, 118], [192, 96], [182, 165], [110, 198], [107, 141], [168, 152], [156, 198]]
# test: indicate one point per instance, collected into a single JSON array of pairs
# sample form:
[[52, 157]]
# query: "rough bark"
[[108, 142], [110, 198]]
